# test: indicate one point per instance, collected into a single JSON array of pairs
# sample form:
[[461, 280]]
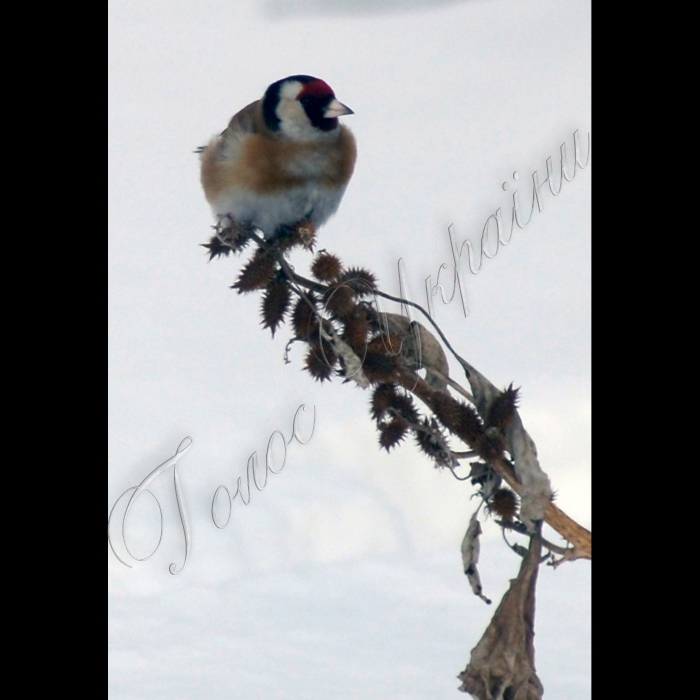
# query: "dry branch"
[[568, 528], [348, 336]]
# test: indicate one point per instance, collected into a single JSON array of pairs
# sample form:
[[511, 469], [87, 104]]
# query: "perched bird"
[[282, 160]]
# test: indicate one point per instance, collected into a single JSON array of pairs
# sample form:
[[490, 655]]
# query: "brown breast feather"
[[261, 156]]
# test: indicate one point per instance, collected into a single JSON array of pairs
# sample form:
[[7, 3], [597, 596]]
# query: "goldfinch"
[[282, 160]]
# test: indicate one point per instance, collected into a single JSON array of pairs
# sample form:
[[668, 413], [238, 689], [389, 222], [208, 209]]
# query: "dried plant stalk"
[[348, 336], [502, 664], [568, 528]]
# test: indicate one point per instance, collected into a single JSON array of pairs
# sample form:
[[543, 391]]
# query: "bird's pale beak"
[[336, 109]]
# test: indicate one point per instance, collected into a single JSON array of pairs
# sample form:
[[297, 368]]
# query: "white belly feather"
[[270, 211]]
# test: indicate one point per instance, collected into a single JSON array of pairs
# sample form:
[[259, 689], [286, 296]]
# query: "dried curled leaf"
[[536, 490], [470, 557], [502, 664], [420, 348]]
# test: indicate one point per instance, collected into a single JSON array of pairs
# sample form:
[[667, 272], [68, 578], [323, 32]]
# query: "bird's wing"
[[245, 122], [242, 124]]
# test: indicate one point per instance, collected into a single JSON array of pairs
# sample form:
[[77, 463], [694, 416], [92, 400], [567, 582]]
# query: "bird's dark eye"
[[315, 106]]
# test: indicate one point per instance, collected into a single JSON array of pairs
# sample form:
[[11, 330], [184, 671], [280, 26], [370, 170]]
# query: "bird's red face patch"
[[316, 88]]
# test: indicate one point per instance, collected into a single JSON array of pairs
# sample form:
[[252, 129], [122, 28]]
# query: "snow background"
[[343, 577]]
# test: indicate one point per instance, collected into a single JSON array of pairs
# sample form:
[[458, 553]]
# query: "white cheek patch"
[[294, 121]]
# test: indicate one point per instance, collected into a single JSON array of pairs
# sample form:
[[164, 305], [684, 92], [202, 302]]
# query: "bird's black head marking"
[[314, 97]]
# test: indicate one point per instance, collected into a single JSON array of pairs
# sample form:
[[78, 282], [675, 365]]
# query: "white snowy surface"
[[342, 578]]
